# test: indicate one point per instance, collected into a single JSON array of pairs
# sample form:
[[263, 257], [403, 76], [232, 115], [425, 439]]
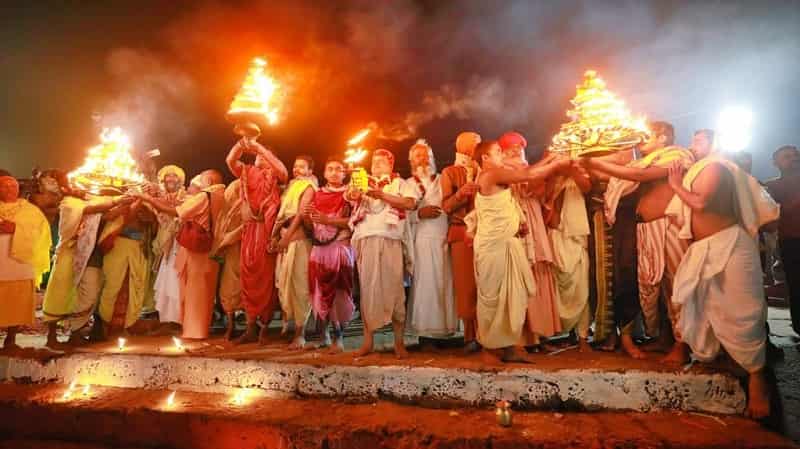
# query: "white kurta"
[[167, 289], [431, 306]]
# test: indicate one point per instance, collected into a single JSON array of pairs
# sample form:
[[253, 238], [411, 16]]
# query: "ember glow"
[[258, 94], [599, 123], [240, 397], [108, 164], [68, 393], [171, 399]]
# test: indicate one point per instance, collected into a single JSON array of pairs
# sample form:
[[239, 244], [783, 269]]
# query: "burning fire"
[[599, 123], [108, 164], [356, 153], [171, 399], [178, 343], [121, 343], [257, 96]]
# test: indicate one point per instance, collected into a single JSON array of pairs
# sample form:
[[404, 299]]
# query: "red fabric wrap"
[[260, 191], [510, 139]]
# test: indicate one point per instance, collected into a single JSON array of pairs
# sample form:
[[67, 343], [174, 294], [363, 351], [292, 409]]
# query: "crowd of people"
[[507, 253]]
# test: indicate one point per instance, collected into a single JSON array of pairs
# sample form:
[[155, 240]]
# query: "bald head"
[[9, 189]]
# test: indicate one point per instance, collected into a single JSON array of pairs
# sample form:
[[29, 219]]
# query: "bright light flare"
[[178, 343], [87, 389], [258, 94], [359, 137], [171, 400], [67, 394], [355, 155], [121, 343], [240, 397], [108, 164], [735, 128]]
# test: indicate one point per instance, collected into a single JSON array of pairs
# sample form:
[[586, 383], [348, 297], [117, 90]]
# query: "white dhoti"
[[719, 287], [86, 299], [572, 279], [502, 271], [432, 307], [167, 289], [660, 251]]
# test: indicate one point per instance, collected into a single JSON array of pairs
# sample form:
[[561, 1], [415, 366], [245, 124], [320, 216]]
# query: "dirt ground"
[[336, 424], [141, 418]]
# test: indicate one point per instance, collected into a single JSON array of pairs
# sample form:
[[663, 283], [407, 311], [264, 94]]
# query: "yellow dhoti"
[[59, 298], [291, 276], [126, 258], [230, 284], [503, 274]]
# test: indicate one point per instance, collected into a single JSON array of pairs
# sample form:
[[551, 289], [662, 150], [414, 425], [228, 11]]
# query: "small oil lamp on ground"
[[503, 413]]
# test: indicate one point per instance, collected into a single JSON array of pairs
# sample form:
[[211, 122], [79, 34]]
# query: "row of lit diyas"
[[240, 396]]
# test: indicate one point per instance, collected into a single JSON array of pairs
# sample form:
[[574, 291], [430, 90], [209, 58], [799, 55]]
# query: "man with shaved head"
[[24, 257]]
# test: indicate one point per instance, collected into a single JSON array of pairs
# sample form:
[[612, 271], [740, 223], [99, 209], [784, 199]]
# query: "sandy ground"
[[204, 420]]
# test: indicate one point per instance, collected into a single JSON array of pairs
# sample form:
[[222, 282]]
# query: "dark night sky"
[[166, 71]]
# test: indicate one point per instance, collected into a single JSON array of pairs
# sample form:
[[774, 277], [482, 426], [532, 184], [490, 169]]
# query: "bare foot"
[[11, 346], [285, 329], [584, 346], [363, 350], [472, 347], [490, 357], [610, 345], [679, 355], [758, 391], [337, 347], [516, 354], [249, 336], [400, 351], [262, 335], [630, 347], [299, 342]]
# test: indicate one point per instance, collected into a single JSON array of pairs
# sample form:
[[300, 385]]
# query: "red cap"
[[510, 139]]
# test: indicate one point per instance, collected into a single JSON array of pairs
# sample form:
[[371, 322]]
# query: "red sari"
[[260, 207]]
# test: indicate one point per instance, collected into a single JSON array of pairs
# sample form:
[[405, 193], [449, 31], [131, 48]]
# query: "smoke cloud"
[[428, 68]]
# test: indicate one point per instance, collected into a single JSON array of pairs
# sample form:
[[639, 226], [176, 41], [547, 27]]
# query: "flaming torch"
[[108, 165], [600, 122], [256, 103], [354, 154]]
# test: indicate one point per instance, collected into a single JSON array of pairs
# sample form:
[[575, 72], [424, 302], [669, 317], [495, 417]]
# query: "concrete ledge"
[[574, 389]]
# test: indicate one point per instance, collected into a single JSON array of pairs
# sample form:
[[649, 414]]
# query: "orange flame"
[[258, 93], [108, 164], [355, 153], [599, 121]]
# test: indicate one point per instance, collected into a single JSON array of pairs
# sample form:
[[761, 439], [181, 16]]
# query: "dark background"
[[166, 71]]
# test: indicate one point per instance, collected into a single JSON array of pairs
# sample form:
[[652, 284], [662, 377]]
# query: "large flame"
[[599, 123], [356, 153], [108, 164], [258, 94]]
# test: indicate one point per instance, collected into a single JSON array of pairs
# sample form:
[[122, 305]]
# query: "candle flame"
[[171, 399], [86, 389], [121, 343], [178, 343], [108, 164], [68, 393], [240, 396], [258, 94]]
